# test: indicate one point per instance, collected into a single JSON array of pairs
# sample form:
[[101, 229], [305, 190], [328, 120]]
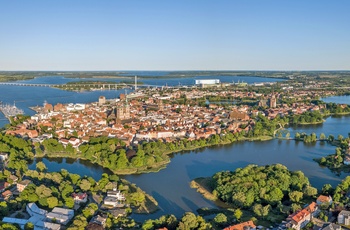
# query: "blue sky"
[[174, 35]]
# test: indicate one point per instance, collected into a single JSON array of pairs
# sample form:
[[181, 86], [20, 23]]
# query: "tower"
[[273, 102], [123, 111], [135, 83]]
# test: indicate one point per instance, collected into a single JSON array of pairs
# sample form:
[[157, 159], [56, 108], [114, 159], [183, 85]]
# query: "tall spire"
[[126, 98]]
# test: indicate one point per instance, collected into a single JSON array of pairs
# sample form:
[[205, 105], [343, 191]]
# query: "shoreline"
[[202, 186]]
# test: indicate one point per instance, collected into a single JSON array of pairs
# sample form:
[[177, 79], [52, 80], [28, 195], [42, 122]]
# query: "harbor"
[[10, 110]]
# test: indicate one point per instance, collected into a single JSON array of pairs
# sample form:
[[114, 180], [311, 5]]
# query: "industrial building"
[[207, 81]]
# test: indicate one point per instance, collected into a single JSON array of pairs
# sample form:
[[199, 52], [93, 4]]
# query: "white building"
[[61, 215], [207, 81], [37, 218], [34, 210], [75, 107], [344, 217]]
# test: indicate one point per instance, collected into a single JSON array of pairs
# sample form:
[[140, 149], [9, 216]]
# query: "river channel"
[[170, 186]]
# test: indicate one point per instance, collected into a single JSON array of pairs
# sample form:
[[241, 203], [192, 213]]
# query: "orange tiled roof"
[[241, 226], [300, 215], [323, 199]]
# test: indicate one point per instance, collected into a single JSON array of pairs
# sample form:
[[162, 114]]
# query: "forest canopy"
[[267, 185]]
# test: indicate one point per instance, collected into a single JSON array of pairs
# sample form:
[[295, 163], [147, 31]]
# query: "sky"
[[174, 35]]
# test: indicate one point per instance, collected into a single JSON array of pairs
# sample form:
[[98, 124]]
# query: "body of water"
[[171, 186], [29, 96]]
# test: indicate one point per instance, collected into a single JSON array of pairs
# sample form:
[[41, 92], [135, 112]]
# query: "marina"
[[10, 110]]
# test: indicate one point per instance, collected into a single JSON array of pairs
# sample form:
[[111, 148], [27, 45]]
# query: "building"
[[47, 226], [114, 198], [37, 217], [3, 186], [34, 210], [111, 201], [242, 226], [344, 217], [101, 100], [75, 107], [300, 219], [273, 102], [20, 222], [99, 220], [3, 157], [123, 111], [207, 81], [263, 103], [94, 226], [22, 185], [6, 195], [117, 194], [324, 200], [332, 226], [3, 160], [237, 115], [79, 197], [61, 215]]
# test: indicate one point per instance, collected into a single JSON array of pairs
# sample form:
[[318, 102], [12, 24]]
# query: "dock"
[[10, 110]]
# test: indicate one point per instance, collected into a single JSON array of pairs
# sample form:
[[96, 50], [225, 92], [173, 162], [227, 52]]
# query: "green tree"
[[310, 191], [74, 178], [323, 161], [52, 202], [148, 225], [137, 198], [220, 219], [7, 226], [69, 202], [4, 210], [260, 210], [29, 226], [40, 166], [295, 196], [340, 137], [295, 207], [327, 189], [238, 214], [85, 185], [322, 137]]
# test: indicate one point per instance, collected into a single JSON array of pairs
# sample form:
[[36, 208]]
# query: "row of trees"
[[188, 221]]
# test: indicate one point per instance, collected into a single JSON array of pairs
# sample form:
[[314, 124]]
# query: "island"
[[137, 133]]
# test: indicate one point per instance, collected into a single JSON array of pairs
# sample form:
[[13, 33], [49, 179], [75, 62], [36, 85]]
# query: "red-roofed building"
[[79, 197], [242, 226], [6, 195], [324, 200], [3, 186], [299, 219]]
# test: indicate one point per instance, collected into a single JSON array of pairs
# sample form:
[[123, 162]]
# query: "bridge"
[[92, 85], [26, 84]]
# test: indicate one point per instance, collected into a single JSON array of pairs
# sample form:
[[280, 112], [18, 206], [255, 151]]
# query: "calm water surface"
[[170, 186]]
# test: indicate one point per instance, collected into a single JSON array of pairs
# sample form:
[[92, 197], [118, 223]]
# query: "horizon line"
[[194, 70]]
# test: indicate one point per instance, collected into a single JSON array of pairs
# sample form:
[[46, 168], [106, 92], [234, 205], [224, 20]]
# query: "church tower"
[[273, 102], [123, 111]]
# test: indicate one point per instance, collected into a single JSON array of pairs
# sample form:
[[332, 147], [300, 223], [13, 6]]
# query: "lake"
[[170, 186]]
